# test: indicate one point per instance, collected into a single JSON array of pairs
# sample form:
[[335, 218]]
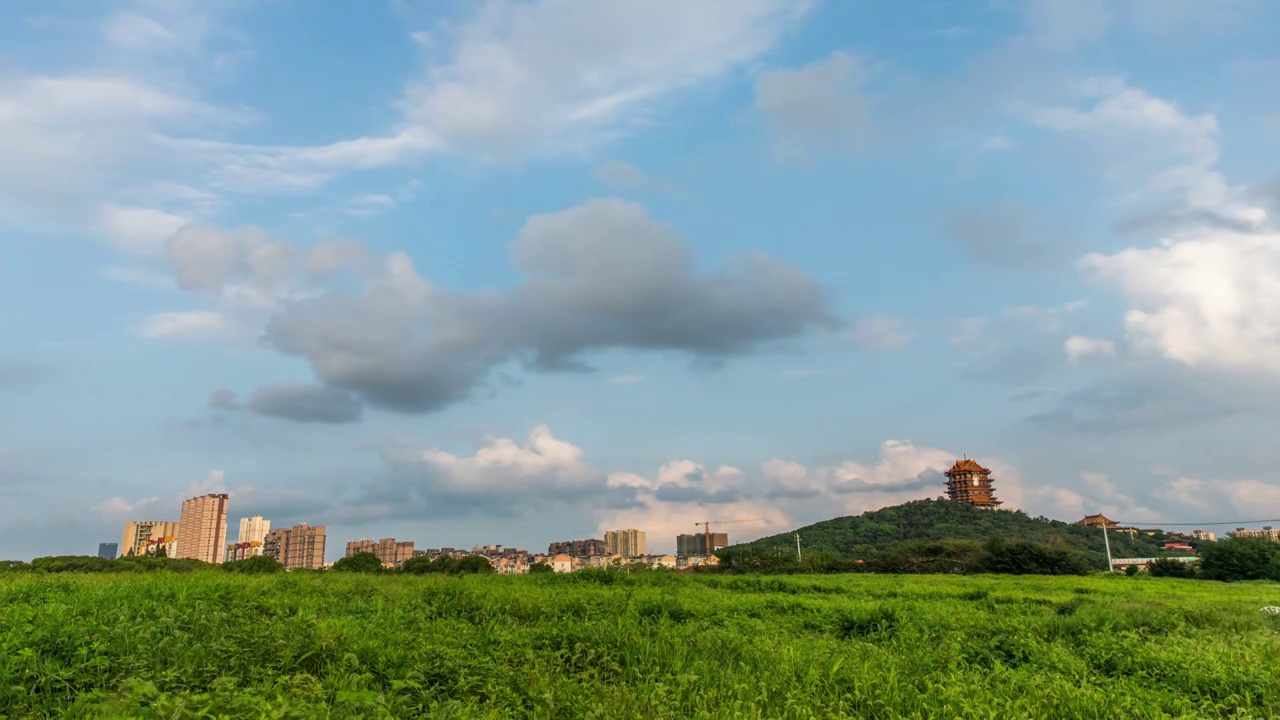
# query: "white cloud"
[[1251, 498], [1067, 24], [1079, 347], [1208, 299], [195, 325], [117, 508], [998, 143], [880, 333], [566, 74], [139, 231], [542, 463], [816, 107]]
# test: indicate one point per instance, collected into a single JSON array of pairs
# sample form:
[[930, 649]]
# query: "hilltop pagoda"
[[969, 482]]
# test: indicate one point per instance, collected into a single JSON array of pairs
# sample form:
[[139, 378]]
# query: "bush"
[[256, 565], [1024, 558], [1168, 567], [539, 568], [471, 564], [365, 562], [1132, 570], [1239, 559]]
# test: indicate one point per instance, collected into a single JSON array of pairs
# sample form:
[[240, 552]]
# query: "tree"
[[540, 567], [365, 562], [1131, 570], [474, 564], [1238, 559], [416, 565], [1168, 567], [14, 566]]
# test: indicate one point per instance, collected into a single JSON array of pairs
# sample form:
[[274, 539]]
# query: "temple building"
[[969, 482]]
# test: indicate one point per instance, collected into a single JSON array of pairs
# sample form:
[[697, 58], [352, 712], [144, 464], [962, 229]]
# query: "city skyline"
[[512, 270]]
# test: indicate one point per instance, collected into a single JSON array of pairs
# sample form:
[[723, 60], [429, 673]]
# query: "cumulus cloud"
[[195, 325], [306, 403], [816, 107], [598, 276], [1251, 498]]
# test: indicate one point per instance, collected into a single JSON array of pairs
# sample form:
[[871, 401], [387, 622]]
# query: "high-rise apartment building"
[[389, 551], [143, 536], [627, 543], [301, 546], [700, 544], [253, 530], [202, 530], [107, 551]]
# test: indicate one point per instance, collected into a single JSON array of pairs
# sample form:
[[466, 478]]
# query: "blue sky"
[[516, 272]]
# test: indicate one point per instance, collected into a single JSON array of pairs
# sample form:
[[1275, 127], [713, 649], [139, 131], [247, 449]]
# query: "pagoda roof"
[[967, 465]]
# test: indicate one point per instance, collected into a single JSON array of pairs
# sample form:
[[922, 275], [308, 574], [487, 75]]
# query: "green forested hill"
[[870, 534]]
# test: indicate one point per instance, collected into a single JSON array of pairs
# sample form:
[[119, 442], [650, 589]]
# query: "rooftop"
[[966, 466]]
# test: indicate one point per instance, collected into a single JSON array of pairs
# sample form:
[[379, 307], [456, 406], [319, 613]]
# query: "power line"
[[1201, 524]]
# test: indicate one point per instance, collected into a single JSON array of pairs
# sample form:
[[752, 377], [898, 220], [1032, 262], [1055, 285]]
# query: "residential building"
[[253, 530], [1202, 535], [389, 552], [107, 551], [561, 563], [1097, 521], [970, 483], [662, 561], [1266, 533], [590, 547], [627, 543], [202, 529], [143, 536], [242, 551], [700, 544], [301, 546]]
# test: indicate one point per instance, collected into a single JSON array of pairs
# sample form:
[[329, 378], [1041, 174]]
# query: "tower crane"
[[706, 528]]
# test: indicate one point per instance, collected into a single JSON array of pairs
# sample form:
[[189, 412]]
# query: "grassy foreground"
[[207, 644]]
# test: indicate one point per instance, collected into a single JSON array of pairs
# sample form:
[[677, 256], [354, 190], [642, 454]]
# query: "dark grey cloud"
[[306, 403], [603, 275], [926, 479], [1001, 235], [297, 402]]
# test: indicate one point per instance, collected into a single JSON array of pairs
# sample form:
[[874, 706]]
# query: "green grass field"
[[208, 644]]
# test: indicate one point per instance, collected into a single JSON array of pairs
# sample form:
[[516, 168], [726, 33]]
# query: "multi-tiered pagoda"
[[969, 482]]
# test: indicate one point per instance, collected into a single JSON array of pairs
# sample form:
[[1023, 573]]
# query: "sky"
[[519, 271]]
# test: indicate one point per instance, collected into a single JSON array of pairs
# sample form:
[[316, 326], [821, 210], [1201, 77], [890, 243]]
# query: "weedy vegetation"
[[213, 644]]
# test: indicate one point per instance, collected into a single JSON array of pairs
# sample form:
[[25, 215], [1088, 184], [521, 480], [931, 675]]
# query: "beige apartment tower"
[[202, 531], [627, 543], [140, 536], [253, 530], [301, 546]]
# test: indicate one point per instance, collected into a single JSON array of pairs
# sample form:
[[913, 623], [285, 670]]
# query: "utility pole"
[[798, 558], [1107, 542]]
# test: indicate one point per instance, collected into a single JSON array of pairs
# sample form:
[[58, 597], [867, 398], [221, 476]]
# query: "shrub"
[[1132, 570], [1025, 558], [540, 567], [256, 565]]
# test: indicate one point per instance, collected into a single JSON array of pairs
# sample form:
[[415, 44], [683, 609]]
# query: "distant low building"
[[389, 551], [1202, 535], [1179, 546], [107, 551], [591, 547], [561, 563]]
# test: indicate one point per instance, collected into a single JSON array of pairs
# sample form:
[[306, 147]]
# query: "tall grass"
[[645, 646]]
